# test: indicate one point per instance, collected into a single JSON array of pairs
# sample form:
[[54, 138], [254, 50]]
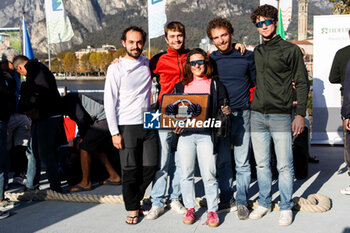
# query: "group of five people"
[[225, 74]]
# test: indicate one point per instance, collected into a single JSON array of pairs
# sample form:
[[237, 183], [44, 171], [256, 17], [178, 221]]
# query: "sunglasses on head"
[[199, 62], [267, 22]]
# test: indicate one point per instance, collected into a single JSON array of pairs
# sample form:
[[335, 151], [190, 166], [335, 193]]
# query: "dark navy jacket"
[[237, 73], [345, 110]]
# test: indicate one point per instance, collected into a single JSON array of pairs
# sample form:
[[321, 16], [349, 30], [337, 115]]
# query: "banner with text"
[[330, 35]]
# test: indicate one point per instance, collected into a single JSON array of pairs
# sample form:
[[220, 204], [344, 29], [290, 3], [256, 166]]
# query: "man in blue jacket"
[[345, 112], [237, 73]]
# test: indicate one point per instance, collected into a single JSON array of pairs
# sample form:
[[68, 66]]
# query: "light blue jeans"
[[191, 146], [169, 166], [31, 168], [279, 127], [4, 158], [240, 139]]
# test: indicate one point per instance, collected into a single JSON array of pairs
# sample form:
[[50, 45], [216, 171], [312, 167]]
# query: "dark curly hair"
[[134, 28], [266, 11], [209, 69], [219, 22]]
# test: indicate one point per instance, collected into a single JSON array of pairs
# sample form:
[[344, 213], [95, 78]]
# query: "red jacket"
[[169, 69]]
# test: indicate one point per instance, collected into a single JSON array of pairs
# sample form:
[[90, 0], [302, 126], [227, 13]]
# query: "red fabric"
[[251, 90], [70, 128], [169, 66]]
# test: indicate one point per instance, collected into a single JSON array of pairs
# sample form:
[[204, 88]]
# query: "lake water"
[[83, 86]]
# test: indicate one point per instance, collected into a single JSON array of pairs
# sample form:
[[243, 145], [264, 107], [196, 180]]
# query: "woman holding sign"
[[199, 143]]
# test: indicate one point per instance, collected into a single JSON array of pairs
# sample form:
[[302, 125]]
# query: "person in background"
[[5, 204], [41, 101], [345, 112], [18, 125], [90, 117], [337, 75]]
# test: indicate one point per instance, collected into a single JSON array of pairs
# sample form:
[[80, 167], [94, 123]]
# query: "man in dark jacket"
[[237, 73], [337, 75], [5, 205], [278, 63], [41, 101], [345, 112]]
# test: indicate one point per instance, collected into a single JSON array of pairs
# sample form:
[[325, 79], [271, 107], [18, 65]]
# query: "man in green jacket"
[[278, 63]]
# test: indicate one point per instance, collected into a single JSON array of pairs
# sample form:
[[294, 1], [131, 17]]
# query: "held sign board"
[[188, 111], [330, 35]]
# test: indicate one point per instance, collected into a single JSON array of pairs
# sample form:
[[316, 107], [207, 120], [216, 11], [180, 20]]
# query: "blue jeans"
[[279, 127], [191, 146], [4, 158], [240, 139], [31, 168], [169, 166]]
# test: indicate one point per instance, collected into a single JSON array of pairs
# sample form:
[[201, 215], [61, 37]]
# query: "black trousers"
[[347, 150], [138, 160]]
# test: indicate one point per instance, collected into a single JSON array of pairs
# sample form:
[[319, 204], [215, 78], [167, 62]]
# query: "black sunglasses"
[[267, 22], [199, 62]]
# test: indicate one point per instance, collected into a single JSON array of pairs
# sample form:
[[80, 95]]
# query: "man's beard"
[[227, 50], [132, 55]]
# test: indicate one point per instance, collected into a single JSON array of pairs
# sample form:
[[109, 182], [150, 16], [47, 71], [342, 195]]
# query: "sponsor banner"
[[156, 18], [59, 28], [330, 35]]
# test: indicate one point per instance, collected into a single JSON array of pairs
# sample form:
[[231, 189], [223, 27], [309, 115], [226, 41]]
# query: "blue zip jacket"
[[237, 73]]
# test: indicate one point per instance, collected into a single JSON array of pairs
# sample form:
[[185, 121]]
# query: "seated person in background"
[[192, 145], [90, 117]]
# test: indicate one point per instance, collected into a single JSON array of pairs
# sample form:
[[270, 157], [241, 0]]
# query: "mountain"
[[97, 22]]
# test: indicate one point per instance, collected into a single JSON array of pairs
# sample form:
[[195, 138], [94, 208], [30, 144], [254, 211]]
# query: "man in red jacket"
[[167, 67]]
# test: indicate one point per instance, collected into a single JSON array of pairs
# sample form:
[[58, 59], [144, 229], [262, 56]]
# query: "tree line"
[[93, 63]]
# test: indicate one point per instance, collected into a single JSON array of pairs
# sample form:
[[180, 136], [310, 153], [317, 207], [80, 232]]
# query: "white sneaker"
[[154, 212], [177, 207], [6, 205], [259, 212], [345, 191], [286, 218], [4, 214]]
